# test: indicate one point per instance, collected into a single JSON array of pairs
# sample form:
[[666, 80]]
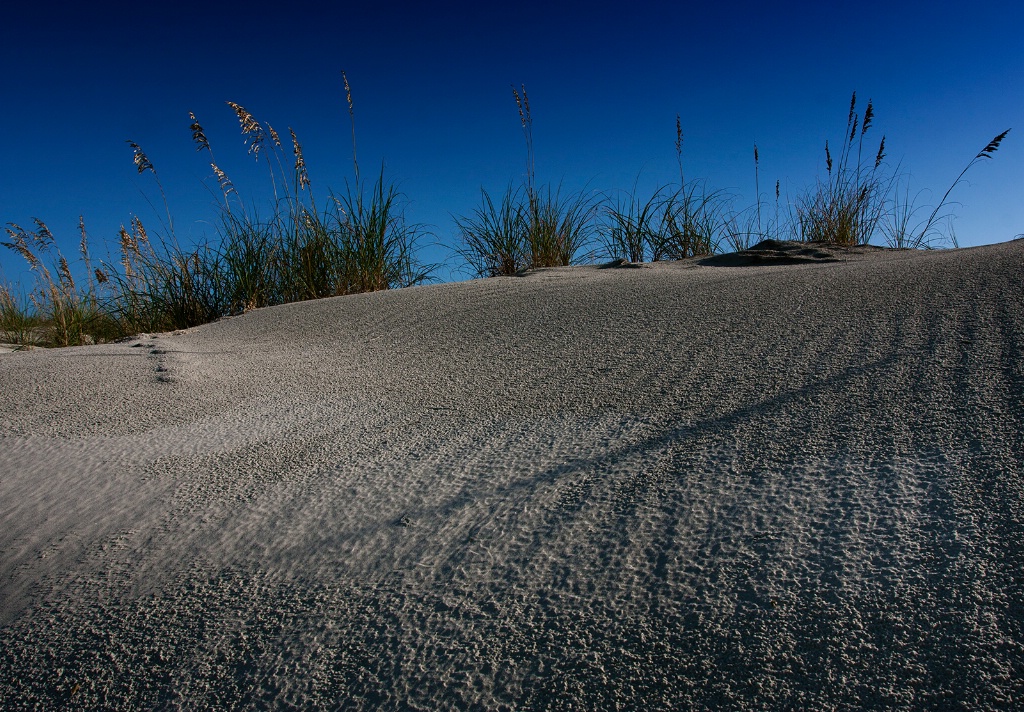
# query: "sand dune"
[[791, 479]]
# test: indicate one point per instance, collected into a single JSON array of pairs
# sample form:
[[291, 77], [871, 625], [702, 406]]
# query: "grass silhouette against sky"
[[433, 103]]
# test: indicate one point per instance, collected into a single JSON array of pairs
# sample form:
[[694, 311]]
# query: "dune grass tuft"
[[862, 198], [677, 222], [17, 323], [848, 205], [531, 227], [59, 312]]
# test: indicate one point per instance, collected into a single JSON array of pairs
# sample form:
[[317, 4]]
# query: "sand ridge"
[[760, 483]]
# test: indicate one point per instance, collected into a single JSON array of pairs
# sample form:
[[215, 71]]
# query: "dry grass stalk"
[[202, 143], [526, 120], [986, 153], [352, 121]]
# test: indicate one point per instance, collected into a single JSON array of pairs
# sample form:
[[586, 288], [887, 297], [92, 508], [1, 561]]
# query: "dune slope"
[[751, 483]]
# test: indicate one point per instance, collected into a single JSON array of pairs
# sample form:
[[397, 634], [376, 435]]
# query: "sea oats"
[[986, 152], [245, 119], [992, 146], [519, 105], [352, 120], [300, 162], [126, 240], [198, 135], [128, 248], [142, 162], [222, 180], [20, 245], [44, 238], [881, 153], [251, 129], [66, 281], [139, 233], [348, 93], [869, 114], [84, 244]]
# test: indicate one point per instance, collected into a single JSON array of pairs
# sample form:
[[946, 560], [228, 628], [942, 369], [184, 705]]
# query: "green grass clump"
[[689, 221], [525, 230], [62, 313], [531, 227], [861, 198], [494, 239], [673, 224], [847, 206], [17, 324]]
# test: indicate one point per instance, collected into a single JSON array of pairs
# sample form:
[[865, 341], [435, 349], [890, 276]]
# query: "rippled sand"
[[790, 479]]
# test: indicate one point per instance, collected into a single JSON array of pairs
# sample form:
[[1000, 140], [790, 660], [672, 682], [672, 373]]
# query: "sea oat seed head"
[[881, 153], [142, 162], [127, 248], [828, 158], [222, 180], [869, 114], [273, 136], [65, 275], [197, 134], [245, 119], [249, 127], [300, 162], [992, 146], [20, 245], [139, 233], [519, 105], [44, 238], [348, 92], [84, 245]]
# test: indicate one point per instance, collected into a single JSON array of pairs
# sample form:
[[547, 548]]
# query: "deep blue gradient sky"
[[431, 85]]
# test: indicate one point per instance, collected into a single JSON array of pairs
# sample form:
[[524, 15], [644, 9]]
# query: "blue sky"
[[431, 85]]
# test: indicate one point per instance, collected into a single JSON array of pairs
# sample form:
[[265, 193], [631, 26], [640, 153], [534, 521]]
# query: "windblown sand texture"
[[789, 479]]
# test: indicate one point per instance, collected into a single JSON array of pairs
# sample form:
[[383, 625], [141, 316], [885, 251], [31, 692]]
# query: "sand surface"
[[786, 481]]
